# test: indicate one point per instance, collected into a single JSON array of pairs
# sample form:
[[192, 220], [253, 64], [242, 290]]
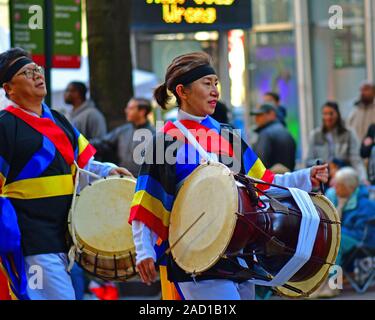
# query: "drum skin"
[[102, 232]]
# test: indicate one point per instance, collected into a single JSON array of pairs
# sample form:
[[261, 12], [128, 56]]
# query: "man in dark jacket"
[[275, 144], [125, 140], [281, 112]]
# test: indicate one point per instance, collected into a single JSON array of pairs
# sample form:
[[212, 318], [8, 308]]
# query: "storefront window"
[[339, 55], [349, 47], [272, 11], [348, 43], [273, 68]]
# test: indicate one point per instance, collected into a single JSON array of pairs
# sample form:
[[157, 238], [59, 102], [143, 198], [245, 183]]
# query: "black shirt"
[[42, 222]]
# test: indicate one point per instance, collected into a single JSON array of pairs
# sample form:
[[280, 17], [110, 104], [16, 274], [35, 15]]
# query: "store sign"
[[27, 30], [190, 15], [67, 30]]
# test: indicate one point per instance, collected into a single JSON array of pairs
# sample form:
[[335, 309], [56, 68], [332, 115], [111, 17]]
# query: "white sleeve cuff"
[[300, 179], [144, 240], [100, 168]]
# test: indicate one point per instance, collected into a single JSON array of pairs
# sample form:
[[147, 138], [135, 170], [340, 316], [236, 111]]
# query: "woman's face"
[[201, 97], [330, 117]]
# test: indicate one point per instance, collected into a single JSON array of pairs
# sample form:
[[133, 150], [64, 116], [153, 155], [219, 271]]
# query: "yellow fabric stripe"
[[40, 188], [2, 269], [12, 295], [82, 144], [153, 205], [258, 170], [168, 290]]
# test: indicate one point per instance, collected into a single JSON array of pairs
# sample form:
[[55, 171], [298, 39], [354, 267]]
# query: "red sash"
[[48, 129]]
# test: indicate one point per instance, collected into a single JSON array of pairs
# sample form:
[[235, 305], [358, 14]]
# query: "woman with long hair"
[[333, 141]]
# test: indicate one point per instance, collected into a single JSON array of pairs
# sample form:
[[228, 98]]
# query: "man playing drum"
[[39, 150], [193, 81]]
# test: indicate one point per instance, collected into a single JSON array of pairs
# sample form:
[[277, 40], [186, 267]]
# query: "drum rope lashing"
[[74, 249]]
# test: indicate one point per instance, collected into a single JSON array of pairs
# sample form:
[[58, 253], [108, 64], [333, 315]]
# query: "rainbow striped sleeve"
[[84, 151], [152, 205], [255, 168]]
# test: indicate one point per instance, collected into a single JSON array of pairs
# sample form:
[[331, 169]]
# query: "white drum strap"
[[209, 157], [75, 248], [307, 235]]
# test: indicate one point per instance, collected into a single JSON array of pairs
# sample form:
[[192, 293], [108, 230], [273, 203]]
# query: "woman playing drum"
[[193, 81]]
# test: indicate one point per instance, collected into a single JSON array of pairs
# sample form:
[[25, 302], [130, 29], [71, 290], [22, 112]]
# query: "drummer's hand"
[[147, 271], [319, 174], [120, 172]]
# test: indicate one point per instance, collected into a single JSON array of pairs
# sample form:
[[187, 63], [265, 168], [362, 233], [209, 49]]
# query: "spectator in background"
[[221, 113], [334, 141], [368, 152], [334, 166], [363, 114], [274, 98], [121, 140], [85, 116], [355, 209], [275, 146]]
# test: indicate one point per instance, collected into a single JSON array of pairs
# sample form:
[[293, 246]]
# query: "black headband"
[[14, 68], [194, 75]]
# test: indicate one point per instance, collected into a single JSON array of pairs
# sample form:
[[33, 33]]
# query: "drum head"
[[101, 217], [313, 283], [211, 189]]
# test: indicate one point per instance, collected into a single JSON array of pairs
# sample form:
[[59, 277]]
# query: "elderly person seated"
[[355, 209]]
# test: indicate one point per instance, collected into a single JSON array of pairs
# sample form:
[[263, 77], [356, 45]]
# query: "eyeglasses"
[[31, 73]]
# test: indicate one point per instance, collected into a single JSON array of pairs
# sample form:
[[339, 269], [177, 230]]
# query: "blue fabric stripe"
[[212, 124], [188, 159], [10, 246], [160, 250], [249, 159], [155, 189], [179, 291], [10, 235], [40, 161], [4, 167], [76, 151], [47, 113], [18, 285]]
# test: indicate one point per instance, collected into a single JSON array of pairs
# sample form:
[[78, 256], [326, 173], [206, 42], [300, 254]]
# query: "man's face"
[[262, 119], [367, 94], [133, 114], [70, 94], [27, 83]]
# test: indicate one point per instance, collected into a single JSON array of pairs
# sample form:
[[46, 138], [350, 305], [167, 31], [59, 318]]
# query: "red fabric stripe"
[[268, 177], [214, 143], [85, 156], [4, 289], [50, 130], [150, 220]]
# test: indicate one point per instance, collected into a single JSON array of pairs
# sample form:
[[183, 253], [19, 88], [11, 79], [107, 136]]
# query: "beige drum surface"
[[313, 283], [101, 216], [210, 189]]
